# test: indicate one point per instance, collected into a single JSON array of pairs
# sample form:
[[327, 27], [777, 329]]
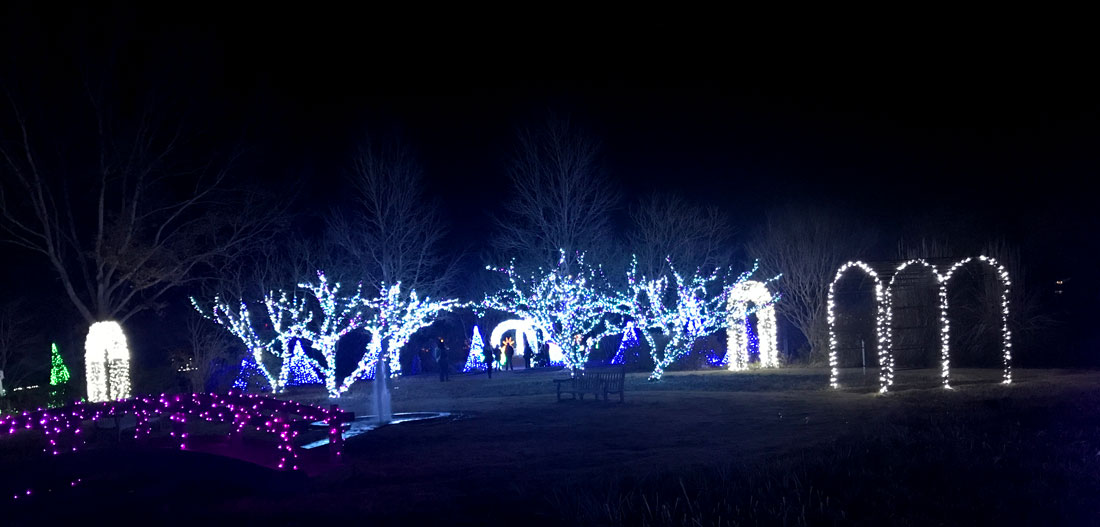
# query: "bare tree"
[[1027, 320], [669, 226], [807, 246], [208, 347], [394, 233], [127, 221], [15, 342], [560, 199]]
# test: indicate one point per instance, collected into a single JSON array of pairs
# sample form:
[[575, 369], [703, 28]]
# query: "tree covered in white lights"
[[391, 319], [321, 313], [236, 318], [564, 302], [339, 315], [672, 312], [290, 317]]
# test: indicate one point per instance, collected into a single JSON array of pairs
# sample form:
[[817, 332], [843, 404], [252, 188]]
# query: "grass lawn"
[[698, 448]]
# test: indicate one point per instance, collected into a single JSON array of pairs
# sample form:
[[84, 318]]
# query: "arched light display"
[[888, 366], [886, 374], [522, 328], [107, 362], [1006, 334], [884, 319], [741, 295]]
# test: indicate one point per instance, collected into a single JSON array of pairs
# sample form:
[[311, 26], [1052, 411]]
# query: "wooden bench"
[[596, 381]]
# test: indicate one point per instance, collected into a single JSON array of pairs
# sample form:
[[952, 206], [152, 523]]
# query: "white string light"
[[560, 305], [393, 318], [887, 361], [1006, 334], [880, 333], [885, 314]]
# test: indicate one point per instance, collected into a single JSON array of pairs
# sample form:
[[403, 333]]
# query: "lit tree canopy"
[[561, 304], [391, 319], [237, 320], [679, 310], [340, 314], [323, 312]]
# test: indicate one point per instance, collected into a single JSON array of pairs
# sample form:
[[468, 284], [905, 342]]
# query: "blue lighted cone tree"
[[302, 369], [475, 360], [563, 302], [630, 340], [249, 370]]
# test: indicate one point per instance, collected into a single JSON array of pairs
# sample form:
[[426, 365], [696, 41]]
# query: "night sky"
[[964, 150]]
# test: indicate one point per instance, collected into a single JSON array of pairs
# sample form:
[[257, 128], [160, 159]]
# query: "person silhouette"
[[443, 360], [509, 352], [489, 356]]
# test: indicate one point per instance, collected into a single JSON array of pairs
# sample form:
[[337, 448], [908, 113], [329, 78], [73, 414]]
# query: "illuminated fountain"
[[380, 403]]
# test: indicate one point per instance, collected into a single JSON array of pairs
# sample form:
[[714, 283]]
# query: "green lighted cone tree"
[[59, 373]]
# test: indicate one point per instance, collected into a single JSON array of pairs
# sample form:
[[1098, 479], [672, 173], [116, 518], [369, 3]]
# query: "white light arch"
[[1006, 335], [521, 327], [880, 319], [737, 334], [107, 362], [888, 370]]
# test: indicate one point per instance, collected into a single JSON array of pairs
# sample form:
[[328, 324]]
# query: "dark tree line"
[[132, 209]]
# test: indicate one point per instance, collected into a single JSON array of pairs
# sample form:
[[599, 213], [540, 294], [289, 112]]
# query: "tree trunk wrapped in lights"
[[107, 362]]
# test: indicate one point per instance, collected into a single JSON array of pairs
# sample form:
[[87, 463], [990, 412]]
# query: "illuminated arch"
[[1006, 335], [888, 365], [107, 362], [737, 333], [521, 327], [880, 319]]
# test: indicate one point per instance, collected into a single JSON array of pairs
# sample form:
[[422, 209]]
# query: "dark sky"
[[978, 142]]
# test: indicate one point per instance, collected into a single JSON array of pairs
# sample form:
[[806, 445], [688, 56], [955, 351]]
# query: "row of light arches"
[[884, 293]]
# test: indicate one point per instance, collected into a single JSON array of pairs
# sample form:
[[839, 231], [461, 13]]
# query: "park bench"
[[596, 381]]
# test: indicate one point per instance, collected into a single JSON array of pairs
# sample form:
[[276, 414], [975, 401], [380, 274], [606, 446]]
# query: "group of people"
[[490, 355]]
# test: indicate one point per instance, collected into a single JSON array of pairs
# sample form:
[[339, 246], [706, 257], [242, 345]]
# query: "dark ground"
[[698, 448]]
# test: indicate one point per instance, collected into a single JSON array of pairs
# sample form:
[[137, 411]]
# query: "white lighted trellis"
[[886, 370], [884, 319], [737, 354]]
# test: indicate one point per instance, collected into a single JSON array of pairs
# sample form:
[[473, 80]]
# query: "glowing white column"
[[107, 362]]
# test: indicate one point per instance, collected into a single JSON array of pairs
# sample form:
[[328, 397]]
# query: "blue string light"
[[630, 340], [303, 369]]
